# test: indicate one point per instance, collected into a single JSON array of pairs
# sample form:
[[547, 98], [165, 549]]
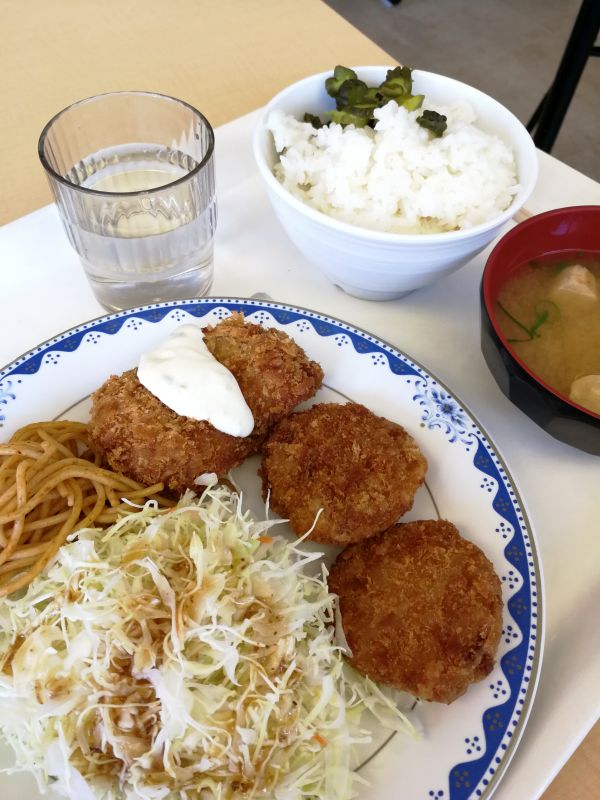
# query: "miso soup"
[[549, 312]]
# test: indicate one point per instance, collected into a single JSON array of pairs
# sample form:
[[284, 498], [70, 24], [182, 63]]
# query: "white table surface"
[[43, 291]]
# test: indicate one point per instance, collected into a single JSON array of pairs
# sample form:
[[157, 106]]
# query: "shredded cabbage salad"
[[185, 654]]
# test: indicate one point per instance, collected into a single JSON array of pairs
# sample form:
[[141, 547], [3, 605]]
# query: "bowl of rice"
[[385, 209]]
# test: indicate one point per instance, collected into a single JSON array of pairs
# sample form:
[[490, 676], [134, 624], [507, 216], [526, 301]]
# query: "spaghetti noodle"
[[52, 484]]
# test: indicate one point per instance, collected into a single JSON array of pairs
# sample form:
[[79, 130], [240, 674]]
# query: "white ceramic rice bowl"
[[371, 264]]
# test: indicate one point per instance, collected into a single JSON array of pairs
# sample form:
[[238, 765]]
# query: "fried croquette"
[[421, 609], [144, 439], [360, 470]]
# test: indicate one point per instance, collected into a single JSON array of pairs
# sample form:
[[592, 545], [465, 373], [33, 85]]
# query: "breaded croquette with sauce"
[[144, 439]]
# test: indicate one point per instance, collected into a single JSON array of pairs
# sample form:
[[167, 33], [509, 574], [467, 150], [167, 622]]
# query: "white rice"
[[397, 177]]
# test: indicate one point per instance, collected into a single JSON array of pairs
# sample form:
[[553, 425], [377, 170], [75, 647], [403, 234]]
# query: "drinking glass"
[[133, 177]]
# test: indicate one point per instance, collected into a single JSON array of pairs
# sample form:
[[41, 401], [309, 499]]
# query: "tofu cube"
[[575, 283], [586, 392]]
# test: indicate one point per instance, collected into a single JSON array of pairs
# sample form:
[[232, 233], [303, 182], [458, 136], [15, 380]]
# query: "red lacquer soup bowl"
[[563, 231]]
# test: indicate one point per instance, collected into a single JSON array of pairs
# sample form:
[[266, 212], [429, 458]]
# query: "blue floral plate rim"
[[449, 420]]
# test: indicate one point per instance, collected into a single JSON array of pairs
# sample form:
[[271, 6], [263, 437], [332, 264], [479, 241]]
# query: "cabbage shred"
[[187, 654]]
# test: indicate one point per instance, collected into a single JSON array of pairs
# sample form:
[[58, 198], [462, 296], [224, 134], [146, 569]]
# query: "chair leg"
[[531, 125], [549, 115]]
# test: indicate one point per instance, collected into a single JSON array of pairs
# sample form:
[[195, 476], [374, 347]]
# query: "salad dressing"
[[186, 377]]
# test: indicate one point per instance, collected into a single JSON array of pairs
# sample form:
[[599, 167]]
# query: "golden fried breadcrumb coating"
[[360, 469], [421, 609], [141, 437]]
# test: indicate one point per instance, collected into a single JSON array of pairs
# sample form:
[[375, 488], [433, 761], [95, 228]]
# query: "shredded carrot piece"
[[265, 539], [320, 739]]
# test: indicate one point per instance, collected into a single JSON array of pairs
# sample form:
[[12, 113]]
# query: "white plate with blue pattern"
[[465, 747]]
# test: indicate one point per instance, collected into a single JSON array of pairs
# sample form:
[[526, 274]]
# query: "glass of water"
[[133, 177]]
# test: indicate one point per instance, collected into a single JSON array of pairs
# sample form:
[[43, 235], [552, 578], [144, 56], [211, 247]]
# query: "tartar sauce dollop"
[[186, 377]]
